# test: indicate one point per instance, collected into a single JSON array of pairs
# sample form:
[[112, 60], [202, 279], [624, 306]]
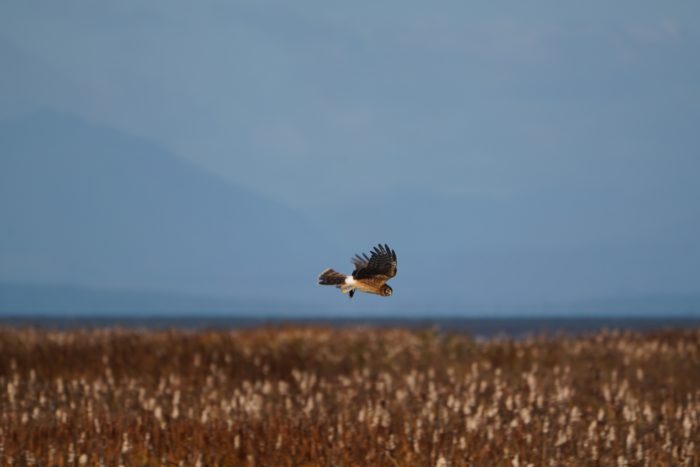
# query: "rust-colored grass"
[[361, 396]]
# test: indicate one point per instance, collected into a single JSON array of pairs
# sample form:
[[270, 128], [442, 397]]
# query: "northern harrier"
[[370, 274]]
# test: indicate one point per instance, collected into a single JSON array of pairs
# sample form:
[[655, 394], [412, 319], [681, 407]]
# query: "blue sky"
[[579, 117], [468, 99]]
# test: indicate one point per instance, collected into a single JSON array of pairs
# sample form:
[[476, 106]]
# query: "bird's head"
[[386, 291]]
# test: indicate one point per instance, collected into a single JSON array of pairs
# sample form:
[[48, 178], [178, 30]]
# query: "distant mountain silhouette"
[[37, 300], [18, 299], [85, 204], [132, 224]]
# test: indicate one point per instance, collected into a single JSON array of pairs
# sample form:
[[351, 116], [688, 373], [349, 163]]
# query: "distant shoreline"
[[477, 326]]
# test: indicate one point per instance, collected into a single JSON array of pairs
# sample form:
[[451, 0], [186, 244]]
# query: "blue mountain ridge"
[[85, 204]]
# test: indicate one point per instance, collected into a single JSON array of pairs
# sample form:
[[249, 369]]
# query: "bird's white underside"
[[349, 284]]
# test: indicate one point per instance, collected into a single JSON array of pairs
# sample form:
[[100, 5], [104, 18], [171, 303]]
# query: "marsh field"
[[320, 395]]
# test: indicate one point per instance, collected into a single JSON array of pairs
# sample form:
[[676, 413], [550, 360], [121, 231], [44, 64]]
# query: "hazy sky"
[[577, 121], [301, 99]]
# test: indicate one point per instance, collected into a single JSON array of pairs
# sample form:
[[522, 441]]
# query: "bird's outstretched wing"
[[382, 262]]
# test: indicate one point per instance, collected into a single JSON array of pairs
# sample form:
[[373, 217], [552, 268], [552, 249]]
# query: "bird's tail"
[[331, 277]]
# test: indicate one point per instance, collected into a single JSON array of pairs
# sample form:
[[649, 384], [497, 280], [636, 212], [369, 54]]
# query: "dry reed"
[[360, 396]]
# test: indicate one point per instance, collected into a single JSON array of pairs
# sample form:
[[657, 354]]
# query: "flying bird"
[[370, 275]]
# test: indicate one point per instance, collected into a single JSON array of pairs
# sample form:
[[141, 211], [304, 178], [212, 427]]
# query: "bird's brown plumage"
[[370, 275]]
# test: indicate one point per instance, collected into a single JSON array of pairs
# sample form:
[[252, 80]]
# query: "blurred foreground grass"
[[361, 396]]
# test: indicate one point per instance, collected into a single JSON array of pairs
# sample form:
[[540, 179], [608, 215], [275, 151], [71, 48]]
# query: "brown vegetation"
[[325, 396]]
